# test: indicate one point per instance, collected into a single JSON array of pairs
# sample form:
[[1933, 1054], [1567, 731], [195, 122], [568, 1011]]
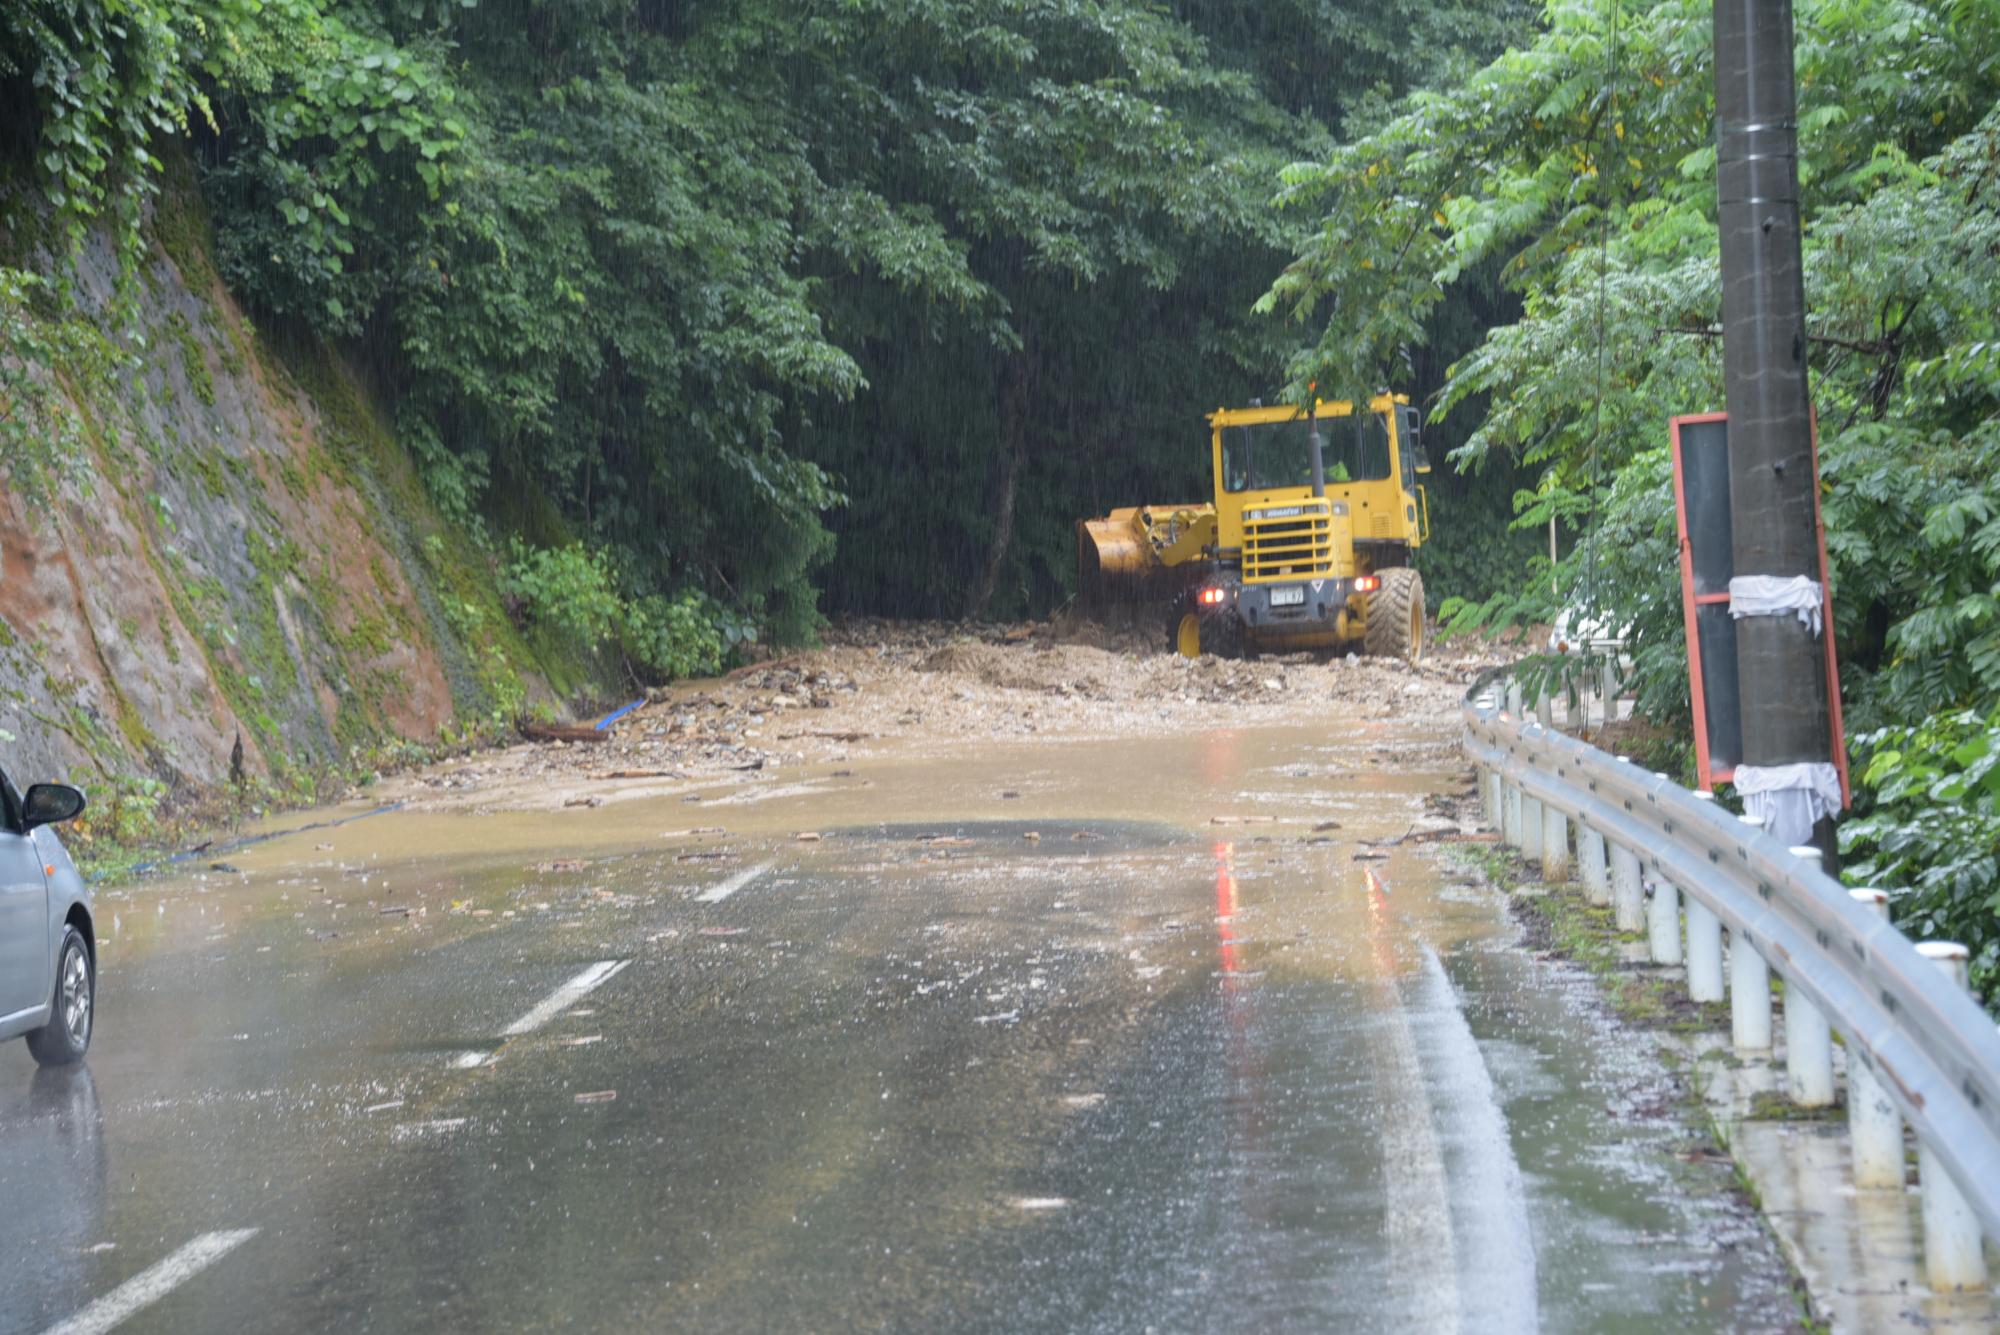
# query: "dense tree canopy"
[[702, 287]]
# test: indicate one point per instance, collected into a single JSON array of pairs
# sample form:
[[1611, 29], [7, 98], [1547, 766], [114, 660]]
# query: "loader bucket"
[[1128, 558], [1110, 552]]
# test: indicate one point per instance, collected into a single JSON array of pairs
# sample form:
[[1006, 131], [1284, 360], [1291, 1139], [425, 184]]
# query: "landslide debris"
[[884, 685]]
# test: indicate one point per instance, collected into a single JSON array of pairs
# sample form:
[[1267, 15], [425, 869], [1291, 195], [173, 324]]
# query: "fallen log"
[[769, 664], [563, 732]]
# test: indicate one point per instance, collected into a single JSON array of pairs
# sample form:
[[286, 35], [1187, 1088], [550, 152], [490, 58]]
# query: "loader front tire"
[[1184, 635], [1396, 616], [1191, 635]]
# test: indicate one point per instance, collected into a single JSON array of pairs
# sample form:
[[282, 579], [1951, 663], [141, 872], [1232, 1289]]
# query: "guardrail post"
[[1873, 1126], [1808, 1051], [1953, 1255], [1749, 997], [1514, 698], [1704, 952], [1749, 986], [1704, 942], [1555, 844], [1510, 813], [1628, 892], [1808, 1039], [1545, 709], [1573, 707], [1607, 688], [1490, 798], [1596, 871], [1663, 923], [1531, 828]]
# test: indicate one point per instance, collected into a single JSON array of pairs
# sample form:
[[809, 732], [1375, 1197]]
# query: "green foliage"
[[41, 338], [335, 137], [576, 592], [568, 588], [1929, 827], [126, 816], [681, 636], [1583, 164], [680, 281], [1622, 576], [93, 83]]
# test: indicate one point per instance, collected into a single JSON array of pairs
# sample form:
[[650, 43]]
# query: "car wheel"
[[73, 1010]]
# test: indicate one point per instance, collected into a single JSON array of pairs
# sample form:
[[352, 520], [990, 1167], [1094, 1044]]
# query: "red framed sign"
[[1701, 511]]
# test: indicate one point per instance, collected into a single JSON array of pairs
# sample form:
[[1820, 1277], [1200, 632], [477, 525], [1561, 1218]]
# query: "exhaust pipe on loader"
[[1318, 460]]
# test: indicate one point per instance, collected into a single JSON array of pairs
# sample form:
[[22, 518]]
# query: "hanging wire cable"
[[1611, 62]]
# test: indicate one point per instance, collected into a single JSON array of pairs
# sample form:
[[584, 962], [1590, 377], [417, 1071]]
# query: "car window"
[[10, 802]]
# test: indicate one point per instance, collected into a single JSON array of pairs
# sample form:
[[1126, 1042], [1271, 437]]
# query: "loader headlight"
[[1367, 583], [1211, 597]]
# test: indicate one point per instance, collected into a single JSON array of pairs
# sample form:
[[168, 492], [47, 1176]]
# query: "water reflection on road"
[[1160, 1034]]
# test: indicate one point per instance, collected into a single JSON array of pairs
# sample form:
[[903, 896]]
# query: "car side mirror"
[[50, 804]]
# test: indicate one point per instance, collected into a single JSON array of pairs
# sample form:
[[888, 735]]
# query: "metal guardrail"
[[1910, 1028]]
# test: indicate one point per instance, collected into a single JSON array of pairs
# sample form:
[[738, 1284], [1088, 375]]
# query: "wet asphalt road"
[[1141, 1072]]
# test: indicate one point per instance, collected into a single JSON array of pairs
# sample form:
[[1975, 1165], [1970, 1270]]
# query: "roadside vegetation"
[[1580, 166]]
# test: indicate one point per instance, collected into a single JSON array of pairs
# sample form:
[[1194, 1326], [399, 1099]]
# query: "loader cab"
[[1266, 512]]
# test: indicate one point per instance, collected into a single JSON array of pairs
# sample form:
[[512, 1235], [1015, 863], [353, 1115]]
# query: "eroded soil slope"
[[239, 549]]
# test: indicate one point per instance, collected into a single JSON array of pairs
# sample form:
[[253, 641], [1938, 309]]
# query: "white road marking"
[[560, 1000], [443, 1126], [1491, 1231], [554, 1004], [154, 1283], [1423, 1263], [722, 890]]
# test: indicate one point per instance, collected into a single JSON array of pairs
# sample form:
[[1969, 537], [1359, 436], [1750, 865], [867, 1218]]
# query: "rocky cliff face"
[[241, 550]]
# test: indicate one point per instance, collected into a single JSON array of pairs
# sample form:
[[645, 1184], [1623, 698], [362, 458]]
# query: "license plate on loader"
[[1292, 595]]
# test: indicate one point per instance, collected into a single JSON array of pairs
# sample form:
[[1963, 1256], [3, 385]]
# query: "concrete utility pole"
[[1781, 667]]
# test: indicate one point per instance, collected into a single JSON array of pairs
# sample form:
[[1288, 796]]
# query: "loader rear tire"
[[1396, 616]]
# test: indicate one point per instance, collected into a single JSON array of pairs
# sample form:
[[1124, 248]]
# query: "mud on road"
[[950, 979], [879, 689]]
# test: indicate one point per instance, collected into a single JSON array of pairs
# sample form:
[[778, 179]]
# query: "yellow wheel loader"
[[1306, 545]]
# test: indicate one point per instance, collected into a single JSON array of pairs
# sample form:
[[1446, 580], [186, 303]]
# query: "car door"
[[24, 914]]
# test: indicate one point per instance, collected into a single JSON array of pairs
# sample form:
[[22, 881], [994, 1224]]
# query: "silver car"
[[48, 945]]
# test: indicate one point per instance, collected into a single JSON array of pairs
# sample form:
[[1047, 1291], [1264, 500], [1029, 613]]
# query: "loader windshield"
[[1279, 454]]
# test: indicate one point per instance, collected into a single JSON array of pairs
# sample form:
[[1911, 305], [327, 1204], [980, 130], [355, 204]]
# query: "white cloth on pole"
[[1774, 595], [1791, 799]]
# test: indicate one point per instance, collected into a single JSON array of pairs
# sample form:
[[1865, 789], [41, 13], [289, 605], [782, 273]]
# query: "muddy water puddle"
[[1285, 776]]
